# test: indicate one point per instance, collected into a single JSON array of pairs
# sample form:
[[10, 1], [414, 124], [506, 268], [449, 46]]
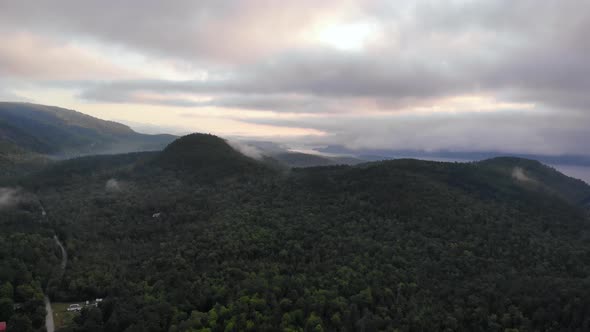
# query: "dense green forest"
[[201, 238], [27, 262]]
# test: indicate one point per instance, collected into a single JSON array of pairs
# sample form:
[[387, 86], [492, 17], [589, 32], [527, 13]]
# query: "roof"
[[2, 326]]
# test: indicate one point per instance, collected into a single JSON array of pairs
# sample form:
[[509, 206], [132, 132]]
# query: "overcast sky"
[[499, 75]]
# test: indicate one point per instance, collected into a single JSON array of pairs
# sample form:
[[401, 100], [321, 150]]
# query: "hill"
[[207, 157], [62, 133], [201, 237]]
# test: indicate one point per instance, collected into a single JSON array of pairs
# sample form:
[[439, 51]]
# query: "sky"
[[461, 75]]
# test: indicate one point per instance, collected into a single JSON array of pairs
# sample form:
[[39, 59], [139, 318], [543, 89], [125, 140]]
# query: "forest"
[[199, 237]]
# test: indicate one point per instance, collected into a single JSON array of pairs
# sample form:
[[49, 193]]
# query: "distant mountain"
[[443, 155], [60, 132]]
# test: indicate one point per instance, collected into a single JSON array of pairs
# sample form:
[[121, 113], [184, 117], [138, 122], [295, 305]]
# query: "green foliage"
[[20, 323], [392, 246], [26, 263]]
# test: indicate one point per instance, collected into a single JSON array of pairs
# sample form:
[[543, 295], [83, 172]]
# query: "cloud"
[[246, 149], [419, 79], [519, 174], [285, 103], [529, 131], [112, 185], [214, 30], [556, 78], [427, 49], [11, 197], [8, 95], [8, 197], [24, 55], [320, 74]]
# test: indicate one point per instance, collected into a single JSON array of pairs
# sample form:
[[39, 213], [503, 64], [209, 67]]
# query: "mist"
[[247, 150], [11, 197], [518, 174], [112, 185]]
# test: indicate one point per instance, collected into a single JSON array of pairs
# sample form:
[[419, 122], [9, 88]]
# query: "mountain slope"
[[64, 133], [534, 174]]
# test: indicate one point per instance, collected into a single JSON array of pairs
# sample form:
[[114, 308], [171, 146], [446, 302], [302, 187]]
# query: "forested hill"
[[61, 132], [198, 237], [207, 157]]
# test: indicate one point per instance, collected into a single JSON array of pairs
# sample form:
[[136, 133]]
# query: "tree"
[[20, 323], [6, 309], [6, 290]]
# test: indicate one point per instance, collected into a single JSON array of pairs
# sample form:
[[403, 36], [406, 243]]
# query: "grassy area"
[[62, 317]]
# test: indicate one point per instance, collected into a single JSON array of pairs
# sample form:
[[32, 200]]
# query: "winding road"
[[49, 324]]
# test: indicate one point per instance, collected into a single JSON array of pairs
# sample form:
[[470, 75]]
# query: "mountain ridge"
[[381, 154], [65, 133]]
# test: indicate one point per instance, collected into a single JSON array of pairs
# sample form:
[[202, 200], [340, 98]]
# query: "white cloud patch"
[[519, 174], [11, 197], [113, 185], [245, 149]]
